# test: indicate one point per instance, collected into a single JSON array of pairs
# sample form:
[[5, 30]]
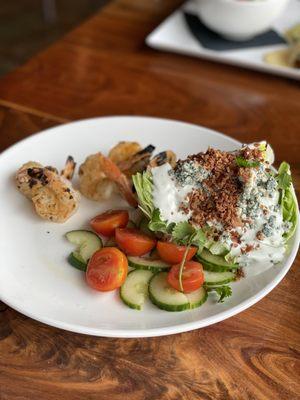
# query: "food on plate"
[[163, 157], [290, 56], [134, 242], [292, 35], [87, 243], [113, 172], [207, 221], [124, 151], [93, 183], [96, 180], [51, 193], [137, 162], [107, 269], [192, 277], [173, 253], [100, 176], [294, 56], [105, 224]]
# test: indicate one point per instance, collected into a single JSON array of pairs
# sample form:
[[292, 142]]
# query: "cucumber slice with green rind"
[[211, 267], [87, 242], [164, 296], [147, 263], [210, 258], [218, 278], [77, 261], [134, 291], [197, 298]]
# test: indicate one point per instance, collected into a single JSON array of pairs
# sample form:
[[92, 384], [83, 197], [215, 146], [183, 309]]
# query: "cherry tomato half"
[[106, 223], [173, 254], [134, 242], [107, 269], [192, 276]]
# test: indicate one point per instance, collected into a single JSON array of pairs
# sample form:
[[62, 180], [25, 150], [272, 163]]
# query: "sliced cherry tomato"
[[106, 223], [192, 276], [107, 269], [173, 254], [134, 242]]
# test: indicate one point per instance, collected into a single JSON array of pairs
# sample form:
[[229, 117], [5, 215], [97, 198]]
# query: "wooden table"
[[104, 68]]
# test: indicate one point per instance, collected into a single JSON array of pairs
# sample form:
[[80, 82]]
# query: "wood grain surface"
[[104, 68]]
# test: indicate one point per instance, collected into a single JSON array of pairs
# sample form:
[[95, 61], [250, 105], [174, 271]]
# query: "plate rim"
[[162, 331]]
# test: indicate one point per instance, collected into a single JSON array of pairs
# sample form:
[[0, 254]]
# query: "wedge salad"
[[201, 223]]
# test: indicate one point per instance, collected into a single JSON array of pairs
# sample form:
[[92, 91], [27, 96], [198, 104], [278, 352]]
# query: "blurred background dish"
[[239, 19]]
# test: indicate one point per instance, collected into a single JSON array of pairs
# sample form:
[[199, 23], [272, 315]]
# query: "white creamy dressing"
[[268, 251], [167, 196]]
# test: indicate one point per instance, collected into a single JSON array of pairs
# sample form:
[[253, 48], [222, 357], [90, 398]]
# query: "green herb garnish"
[[156, 224], [223, 291], [242, 162], [185, 234]]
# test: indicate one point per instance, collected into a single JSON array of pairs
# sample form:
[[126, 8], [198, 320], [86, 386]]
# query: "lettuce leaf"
[[156, 224], [186, 234], [287, 198], [143, 185]]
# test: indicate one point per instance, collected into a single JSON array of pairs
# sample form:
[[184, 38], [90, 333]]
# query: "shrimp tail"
[[113, 172], [69, 169]]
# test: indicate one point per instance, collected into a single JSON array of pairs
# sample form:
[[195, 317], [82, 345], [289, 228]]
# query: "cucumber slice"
[[134, 291], [77, 261], [197, 298], [212, 267], [214, 260], [147, 263], [87, 242], [218, 278], [164, 296]]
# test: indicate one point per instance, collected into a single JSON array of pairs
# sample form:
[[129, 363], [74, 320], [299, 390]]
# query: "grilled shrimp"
[[167, 156], [124, 151], [93, 182], [52, 195], [113, 172], [138, 162]]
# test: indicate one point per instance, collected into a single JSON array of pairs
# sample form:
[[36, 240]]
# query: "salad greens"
[[223, 291], [287, 199], [242, 162], [185, 234], [182, 233], [143, 186]]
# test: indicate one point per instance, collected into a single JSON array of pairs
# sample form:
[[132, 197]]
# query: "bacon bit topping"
[[244, 174], [239, 274], [260, 235], [217, 198], [247, 248], [235, 237], [252, 154]]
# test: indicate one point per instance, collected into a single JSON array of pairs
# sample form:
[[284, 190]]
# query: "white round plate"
[[35, 278]]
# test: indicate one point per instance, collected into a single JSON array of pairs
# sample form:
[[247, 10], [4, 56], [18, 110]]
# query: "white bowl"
[[239, 19]]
